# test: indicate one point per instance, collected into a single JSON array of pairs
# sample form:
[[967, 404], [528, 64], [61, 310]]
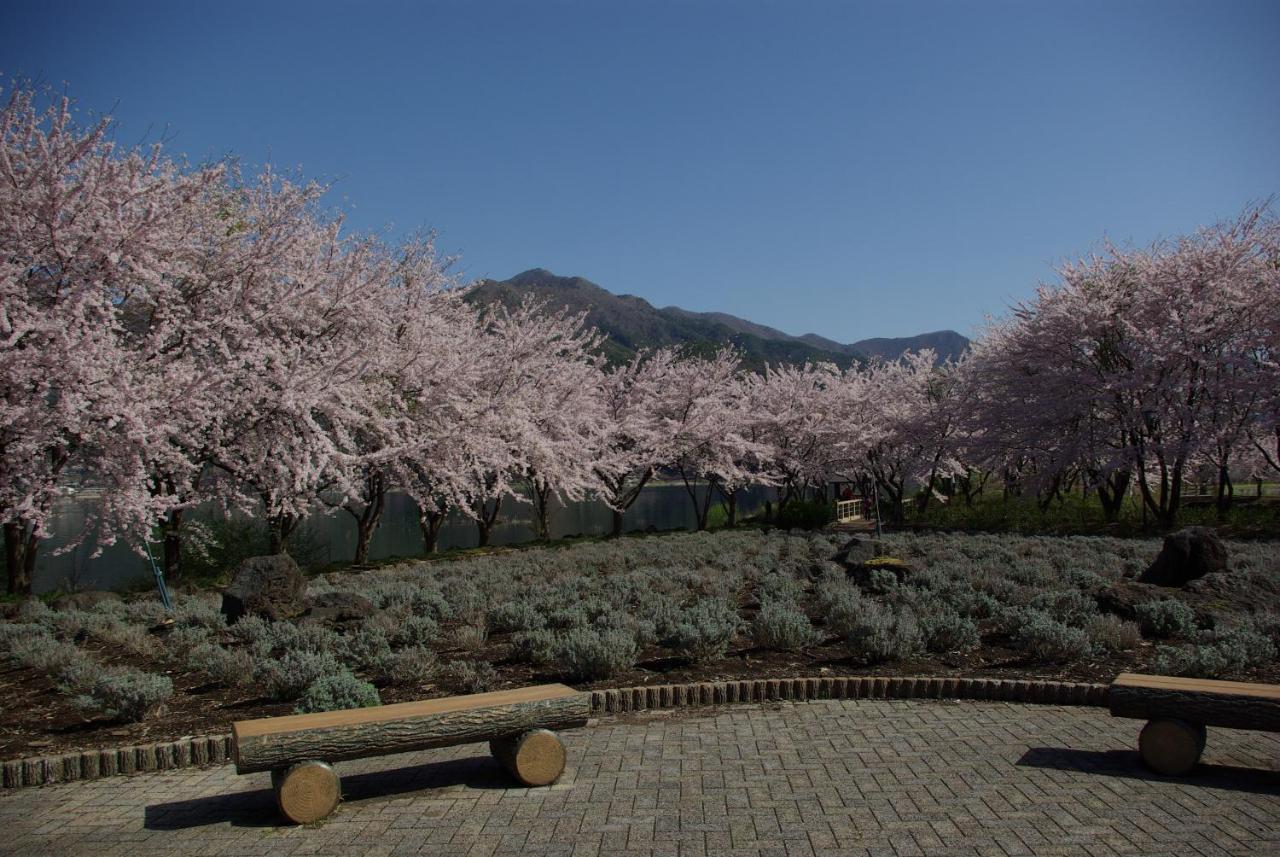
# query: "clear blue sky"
[[851, 169]]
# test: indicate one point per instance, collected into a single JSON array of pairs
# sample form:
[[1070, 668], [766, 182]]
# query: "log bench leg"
[[535, 758], [307, 791], [1171, 747]]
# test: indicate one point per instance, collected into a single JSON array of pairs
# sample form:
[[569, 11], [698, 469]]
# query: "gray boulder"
[[266, 586], [1187, 555], [339, 607]]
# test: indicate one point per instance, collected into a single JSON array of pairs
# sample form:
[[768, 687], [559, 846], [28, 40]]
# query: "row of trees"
[[179, 336]]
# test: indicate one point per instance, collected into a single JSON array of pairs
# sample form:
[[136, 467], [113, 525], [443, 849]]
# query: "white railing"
[[850, 510]]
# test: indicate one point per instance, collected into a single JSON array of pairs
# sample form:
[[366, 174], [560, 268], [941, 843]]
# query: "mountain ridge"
[[632, 323]]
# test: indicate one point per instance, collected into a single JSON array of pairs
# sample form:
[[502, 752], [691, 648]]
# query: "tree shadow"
[[258, 808], [1128, 764]]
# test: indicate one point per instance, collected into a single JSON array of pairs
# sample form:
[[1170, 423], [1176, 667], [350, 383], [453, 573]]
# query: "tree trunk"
[[1111, 491], [616, 529], [370, 514], [20, 546], [1226, 490], [485, 521], [701, 508], [279, 528], [542, 510], [172, 546], [430, 523]]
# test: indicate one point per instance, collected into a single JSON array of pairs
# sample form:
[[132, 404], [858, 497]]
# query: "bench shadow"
[[1128, 764], [258, 808]]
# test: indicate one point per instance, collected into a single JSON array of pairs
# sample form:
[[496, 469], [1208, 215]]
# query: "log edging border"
[[706, 693], [216, 749]]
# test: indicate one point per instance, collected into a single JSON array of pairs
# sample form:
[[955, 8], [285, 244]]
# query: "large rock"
[[339, 607], [266, 586], [854, 553], [1186, 556], [83, 600]]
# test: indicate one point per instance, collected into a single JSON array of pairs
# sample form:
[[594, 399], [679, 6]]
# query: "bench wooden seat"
[[299, 749], [1177, 710]]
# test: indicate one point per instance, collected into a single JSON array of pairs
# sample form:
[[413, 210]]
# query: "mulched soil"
[[37, 720]]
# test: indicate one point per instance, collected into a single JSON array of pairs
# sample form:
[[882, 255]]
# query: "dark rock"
[[854, 553], [266, 586], [338, 607], [82, 600], [1187, 555], [1122, 597]]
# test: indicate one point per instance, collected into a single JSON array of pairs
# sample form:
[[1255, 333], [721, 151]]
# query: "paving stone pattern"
[[861, 777]]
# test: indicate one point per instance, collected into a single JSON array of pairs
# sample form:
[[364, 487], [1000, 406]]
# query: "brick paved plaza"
[[785, 779]]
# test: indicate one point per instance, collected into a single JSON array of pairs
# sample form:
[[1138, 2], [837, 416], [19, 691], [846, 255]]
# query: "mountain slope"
[[632, 323]]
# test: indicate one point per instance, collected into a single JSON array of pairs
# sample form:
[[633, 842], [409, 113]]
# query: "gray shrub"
[[127, 694], [337, 692], [1043, 638], [288, 677], [590, 654], [1113, 634], [782, 626], [947, 631], [471, 676], [1167, 618], [702, 632]]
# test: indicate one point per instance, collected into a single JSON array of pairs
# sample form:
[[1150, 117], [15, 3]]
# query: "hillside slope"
[[632, 323]]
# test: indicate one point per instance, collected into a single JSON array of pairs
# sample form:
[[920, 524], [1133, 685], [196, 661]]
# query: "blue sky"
[[850, 169]]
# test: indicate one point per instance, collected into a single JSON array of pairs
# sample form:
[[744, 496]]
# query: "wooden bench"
[[299, 749], [1177, 710]]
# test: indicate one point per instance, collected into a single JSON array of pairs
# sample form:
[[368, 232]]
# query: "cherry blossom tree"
[[632, 443], [701, 410], [1136, 364], [82, 224], [797, 412]]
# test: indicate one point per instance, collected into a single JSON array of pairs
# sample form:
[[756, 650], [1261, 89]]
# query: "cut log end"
[[307, 791], [535, 758], [1171, 747]]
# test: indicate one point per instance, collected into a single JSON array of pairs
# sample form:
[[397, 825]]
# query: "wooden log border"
[[206, 750]]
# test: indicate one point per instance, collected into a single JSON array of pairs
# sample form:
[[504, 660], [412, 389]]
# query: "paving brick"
[[850, 775]]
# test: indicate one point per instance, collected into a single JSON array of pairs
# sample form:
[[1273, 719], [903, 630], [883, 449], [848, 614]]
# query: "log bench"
[[299, 749], [1177, 710]]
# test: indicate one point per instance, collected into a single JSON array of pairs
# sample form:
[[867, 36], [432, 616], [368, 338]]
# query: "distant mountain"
[[632, 323], [946, 343]]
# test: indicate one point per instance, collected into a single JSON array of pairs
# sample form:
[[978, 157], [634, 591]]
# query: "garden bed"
[[670, 609]]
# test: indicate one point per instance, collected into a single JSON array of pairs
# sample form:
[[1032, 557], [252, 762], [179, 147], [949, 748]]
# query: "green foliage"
[[337, 692], [804, 515]]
